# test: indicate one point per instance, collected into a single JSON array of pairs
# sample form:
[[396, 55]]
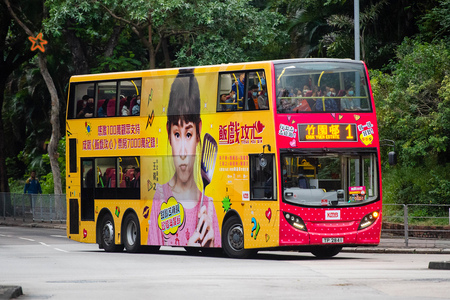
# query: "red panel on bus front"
[[318, 227]]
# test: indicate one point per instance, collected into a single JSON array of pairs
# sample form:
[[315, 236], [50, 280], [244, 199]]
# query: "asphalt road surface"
[[47, 265]]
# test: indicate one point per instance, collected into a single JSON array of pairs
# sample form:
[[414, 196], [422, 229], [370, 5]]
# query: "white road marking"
[[57, 249], [26, 239]]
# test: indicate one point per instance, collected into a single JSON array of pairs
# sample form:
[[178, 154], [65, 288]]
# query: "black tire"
[[233, 239], [107, 235], [326, 251], [131, 234]]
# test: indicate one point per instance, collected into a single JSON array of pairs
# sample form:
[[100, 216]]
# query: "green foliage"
[[16, 186], [413, 103], [119, 61], [41, 164], [435, 24], [417, 185]]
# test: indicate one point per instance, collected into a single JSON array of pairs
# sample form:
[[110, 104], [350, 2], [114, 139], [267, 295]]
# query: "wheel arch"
[[228, 215]]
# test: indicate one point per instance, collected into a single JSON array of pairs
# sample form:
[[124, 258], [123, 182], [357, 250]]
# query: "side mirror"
[[392, 158]]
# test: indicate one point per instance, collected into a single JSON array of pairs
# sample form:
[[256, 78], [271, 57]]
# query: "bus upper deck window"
[[322, 87], [242, 91], [129, 91]]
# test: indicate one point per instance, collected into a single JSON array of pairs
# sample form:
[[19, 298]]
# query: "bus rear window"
[[99, 99], [309, 87]]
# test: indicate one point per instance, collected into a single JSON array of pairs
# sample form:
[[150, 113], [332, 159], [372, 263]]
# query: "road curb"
[[10, 291], [439, 265]]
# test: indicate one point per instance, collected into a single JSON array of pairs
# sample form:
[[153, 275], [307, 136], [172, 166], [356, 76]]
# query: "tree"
[[53, 144], [413, 103], [92, 37], [340, 42], [180, 32], [13, 52]]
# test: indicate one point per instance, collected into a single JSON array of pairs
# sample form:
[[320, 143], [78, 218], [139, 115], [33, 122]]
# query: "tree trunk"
[[54, 120], [4, 186], [151, 49], [165, 49], [54, 139], [78, 55], [113, 41]]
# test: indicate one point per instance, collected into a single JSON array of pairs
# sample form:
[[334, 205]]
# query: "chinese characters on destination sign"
[[327, 132]]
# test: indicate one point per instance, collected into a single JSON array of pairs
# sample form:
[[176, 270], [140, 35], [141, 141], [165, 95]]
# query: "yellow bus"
[[236, 157]]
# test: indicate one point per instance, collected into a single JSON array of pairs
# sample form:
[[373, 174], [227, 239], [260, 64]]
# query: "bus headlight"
[[295, 221], [368, 219]]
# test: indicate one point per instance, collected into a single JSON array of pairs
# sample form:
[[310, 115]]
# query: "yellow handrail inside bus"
[[282, 72], [236, 83], [320, 77], [137, 161], [137, 92], [259, 78]]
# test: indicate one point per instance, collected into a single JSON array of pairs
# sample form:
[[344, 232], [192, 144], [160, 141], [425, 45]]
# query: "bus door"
[[261, 213], [88, 180]]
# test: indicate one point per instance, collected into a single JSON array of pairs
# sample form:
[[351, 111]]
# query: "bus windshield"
[[330, 179], [309, 87]]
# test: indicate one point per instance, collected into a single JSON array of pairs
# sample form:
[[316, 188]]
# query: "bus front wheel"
[[326, 251], [107, 235], [233, 239], [132, 234]]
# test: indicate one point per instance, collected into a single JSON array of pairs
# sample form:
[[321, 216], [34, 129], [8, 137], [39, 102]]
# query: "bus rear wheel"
[[131, 234], [233, 239], [326, 251], [108, 234]]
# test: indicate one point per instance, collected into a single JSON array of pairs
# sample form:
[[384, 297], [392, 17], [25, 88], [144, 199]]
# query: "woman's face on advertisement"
[[183, 139]]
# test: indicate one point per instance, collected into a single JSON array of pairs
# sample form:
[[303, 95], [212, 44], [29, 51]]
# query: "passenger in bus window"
[[263, 101], [302, 104], [262, 82], [102, 111], [83, 101], [136, 110], [231, 99], [326, 103], [222, 101], [252, 101], [285, 103], [130, 177], [126, 107], [349, 104], [88, 110], [238, 88], [306, 89], [199, 226]]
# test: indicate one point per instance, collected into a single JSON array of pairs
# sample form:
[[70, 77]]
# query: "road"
[[47, 265]]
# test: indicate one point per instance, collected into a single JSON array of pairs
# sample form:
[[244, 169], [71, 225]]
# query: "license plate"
[[339, 240]]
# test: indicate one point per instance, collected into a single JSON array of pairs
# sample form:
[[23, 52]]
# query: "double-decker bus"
[[280, 155]]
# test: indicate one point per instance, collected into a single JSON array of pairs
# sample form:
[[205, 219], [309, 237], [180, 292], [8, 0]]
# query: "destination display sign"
[[327, 132]]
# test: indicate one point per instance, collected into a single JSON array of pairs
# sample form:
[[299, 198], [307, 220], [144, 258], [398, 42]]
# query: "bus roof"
[[215, 68]]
